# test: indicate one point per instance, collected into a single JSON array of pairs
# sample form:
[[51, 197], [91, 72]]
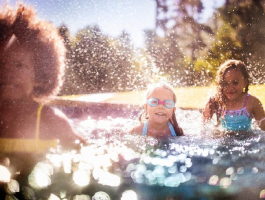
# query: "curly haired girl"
[[232, 104], [32, 56]]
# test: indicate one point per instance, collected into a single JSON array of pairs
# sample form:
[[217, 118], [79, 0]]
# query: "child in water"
[[232, 105], [159, 114], [32, 56]]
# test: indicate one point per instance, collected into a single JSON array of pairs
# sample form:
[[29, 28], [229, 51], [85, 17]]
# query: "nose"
[[229, 86], [161, 104]]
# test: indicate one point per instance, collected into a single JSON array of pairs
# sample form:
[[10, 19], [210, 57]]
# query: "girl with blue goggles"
[[160, 121]]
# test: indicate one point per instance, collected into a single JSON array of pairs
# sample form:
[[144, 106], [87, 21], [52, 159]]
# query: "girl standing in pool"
[[159, 114], [32, 56], [232, 105]]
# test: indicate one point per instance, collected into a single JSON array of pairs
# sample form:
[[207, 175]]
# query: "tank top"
[[235, 120], [145, 128], [35, 145]]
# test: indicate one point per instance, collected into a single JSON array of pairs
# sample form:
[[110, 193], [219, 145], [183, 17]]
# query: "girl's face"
[[160, 114], [17, 74], [233, 84]]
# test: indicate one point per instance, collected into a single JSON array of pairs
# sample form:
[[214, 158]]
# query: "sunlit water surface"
[[203, 164]]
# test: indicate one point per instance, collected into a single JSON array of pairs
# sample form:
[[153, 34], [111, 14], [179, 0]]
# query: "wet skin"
[[17, 75], [159, 115], [232, 87], [18, 108]]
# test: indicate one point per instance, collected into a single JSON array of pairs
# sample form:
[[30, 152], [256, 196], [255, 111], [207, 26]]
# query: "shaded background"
[[116, 46]]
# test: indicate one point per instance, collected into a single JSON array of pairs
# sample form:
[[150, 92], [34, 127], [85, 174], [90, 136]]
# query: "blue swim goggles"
[[154, 102]]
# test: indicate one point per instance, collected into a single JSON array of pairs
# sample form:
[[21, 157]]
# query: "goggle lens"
[[154, 102]]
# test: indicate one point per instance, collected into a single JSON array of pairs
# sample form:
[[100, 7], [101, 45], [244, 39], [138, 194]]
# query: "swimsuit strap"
[[144, 133], [246, 100], [37, 133], [172, 131], [171, 128]]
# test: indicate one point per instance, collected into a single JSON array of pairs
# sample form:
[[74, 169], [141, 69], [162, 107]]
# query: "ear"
[[145, 111], [145, 108]]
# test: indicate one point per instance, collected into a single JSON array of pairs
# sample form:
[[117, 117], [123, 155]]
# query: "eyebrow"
[[159, 99]]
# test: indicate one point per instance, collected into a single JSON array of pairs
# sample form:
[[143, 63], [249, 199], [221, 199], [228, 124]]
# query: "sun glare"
[[5, 175]]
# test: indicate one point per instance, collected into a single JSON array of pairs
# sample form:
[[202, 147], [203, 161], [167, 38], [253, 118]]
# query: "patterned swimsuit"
[[235, 120]]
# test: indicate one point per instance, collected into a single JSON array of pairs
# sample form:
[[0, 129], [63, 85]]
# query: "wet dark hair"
[[231, 64], [39, 37], [178, 130], [218, 100]]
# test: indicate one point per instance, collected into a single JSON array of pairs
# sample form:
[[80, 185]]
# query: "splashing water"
[[204, 162], [200, 165]]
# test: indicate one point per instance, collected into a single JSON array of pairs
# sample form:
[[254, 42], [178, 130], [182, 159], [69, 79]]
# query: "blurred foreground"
[[201, 165]]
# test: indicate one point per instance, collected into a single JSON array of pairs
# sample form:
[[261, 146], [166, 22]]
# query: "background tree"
[[241, 36], [100, 63], [167, 56], [181, 48], [182, 39], [70, 78]]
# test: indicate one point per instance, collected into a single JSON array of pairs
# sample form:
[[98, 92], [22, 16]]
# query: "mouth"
[[160, 114], [231, 93]]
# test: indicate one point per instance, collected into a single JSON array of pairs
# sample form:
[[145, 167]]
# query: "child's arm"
[[210, 112], [57, 124], [207, 112], [258, 112]]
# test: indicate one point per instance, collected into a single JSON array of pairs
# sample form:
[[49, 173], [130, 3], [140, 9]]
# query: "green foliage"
[[226, 47], [204, 71], [183, 41], [167, 55], [100, 63], [180, 49], [242, 36]]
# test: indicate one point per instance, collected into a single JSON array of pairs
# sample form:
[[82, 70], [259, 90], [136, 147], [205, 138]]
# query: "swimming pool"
[[116, 165]]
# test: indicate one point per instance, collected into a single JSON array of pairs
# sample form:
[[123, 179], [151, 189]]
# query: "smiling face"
[[160, 114], [233, 84], [17, 74]]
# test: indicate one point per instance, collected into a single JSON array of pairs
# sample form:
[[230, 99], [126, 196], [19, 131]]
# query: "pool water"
[[203, 164]]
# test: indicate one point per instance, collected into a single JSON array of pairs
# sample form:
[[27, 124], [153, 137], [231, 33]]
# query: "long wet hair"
[[39, 37], [217, 102], [143, 116]]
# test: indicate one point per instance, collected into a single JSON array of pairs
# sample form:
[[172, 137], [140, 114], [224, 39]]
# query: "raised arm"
[[208, 111]]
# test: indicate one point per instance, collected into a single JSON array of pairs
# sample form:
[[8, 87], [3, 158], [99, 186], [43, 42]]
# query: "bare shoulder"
[[137, 129], [254, 102], [255, 107]]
